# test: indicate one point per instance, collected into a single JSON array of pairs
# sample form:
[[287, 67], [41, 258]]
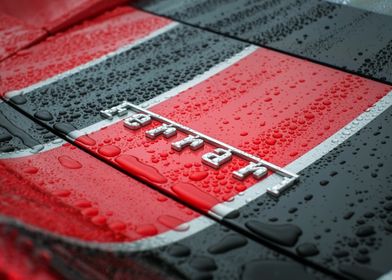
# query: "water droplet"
[[69, 163], [109, 150], [144, 171], [198, 176]]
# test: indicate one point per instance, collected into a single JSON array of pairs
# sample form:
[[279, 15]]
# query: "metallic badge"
[[194, 142], [119, 110], [137, 121], [257, 169], [167, 131], [223, 153], [216, 158]]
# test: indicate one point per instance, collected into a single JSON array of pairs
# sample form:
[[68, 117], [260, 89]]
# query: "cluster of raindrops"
[[17, 132], [290, 26], [80, 44], [136, 75], [218, 252], [339, 214]]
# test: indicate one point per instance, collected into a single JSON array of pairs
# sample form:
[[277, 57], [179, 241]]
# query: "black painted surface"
[[136, 75], [17, 132], [343, 203], [333, 34], [220, 253], [343, 207]]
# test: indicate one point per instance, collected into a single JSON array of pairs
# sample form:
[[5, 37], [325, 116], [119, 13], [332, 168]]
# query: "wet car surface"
[[195, 140]]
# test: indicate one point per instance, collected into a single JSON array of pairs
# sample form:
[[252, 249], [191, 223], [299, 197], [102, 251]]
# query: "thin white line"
[[316, 153], [160, 98], [91, 63], [386, 276], [211, 140], [48, 146], [200, 78], [218, 143], [242, 199], [176, 90], [288, 178], [342, 135], [165, 238]]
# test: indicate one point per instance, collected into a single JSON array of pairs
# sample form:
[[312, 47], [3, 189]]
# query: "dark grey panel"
[[18, 132], [339, 215], [136, 75], [332, 34]]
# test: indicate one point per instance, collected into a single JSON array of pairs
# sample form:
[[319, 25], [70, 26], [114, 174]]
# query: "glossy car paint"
[[228, 90]]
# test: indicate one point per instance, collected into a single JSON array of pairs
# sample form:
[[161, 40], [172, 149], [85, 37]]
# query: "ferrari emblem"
[[223, 153]]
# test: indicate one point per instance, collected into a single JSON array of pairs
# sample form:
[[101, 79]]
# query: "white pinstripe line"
[[174, 91], [159, 240], [244, 198], [158, 99], [316, 153], [91, 63], [240, 200], [58, 142], [386, 276]]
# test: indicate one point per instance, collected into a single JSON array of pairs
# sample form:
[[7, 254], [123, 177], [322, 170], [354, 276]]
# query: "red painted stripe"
[[96, 202], [272, 105], [77, 46], [66, 191], [15, 35], [268, 104], [55, 14]]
